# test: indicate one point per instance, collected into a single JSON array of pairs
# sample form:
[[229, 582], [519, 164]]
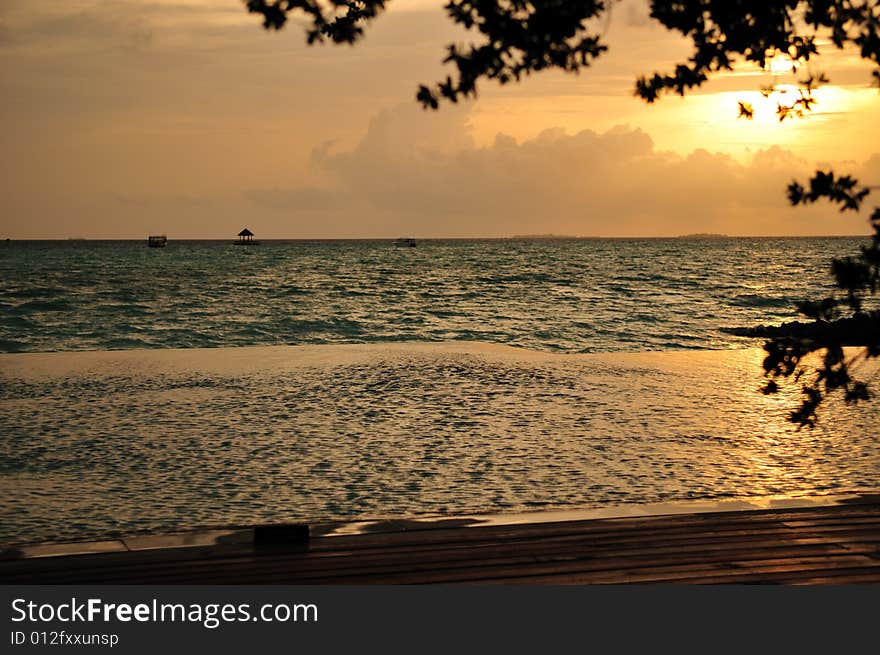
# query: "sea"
[[564, 295], [203, 385]]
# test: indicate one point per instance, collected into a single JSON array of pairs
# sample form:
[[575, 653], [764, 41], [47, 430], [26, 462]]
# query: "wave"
[[294, 326], [290, 291], [34, 292], [59, 305], [14, 346], [126, 343], [542, 278], [757, 300]]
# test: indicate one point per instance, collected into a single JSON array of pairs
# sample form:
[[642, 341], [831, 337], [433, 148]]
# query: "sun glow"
[[766, 103], [817, 133], [780, 65], [835, 130]]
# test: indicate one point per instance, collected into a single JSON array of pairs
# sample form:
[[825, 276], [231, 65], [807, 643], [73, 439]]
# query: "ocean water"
[[202, 386], [572, 296]]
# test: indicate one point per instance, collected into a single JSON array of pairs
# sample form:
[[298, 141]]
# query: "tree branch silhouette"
[[838, 321]]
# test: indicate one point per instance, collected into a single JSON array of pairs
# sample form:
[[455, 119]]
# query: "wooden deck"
[[825, 545]]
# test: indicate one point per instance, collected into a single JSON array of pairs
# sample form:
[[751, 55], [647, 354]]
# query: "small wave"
[[59, 305], [344, 326], [678, 345], [756, 300], [16, 321], [291, 291], [129, 297], [35, 292], [250, 331], [440, 313], [126, 343], [524, 277], [13, 346], [124, 309]]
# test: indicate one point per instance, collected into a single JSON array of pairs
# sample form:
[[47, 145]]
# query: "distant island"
[[545, 236], [540, 237]]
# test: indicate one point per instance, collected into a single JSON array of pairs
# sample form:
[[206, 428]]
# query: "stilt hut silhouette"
[[246, 238]]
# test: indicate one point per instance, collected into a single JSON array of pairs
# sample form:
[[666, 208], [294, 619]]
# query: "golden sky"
[[125, 117]]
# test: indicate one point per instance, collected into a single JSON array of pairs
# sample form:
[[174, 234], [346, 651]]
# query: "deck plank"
[[487, 555]]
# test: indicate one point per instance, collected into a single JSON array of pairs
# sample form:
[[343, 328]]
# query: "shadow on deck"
[[816, 545]]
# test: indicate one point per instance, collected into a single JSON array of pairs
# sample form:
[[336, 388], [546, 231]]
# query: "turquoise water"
[[559, 295]]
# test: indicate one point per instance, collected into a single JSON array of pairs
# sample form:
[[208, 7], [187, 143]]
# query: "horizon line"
[[549, 237]]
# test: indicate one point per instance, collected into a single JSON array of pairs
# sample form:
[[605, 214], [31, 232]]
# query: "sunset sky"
[[127, 117]]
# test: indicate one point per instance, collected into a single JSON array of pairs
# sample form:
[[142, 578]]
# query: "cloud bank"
[[420, 173]]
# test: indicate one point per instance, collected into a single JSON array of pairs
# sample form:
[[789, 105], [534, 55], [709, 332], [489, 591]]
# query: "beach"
[[106, 443]]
